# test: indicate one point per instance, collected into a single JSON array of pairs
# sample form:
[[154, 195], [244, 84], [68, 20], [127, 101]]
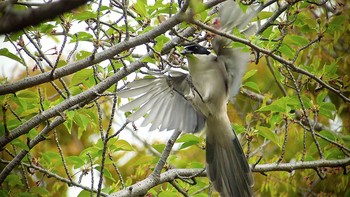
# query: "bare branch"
[[14, 20], [166, 152], [170, 175]]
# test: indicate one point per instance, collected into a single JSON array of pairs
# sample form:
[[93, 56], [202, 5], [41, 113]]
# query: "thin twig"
[[92, 174], [305, 114], [62, 156]]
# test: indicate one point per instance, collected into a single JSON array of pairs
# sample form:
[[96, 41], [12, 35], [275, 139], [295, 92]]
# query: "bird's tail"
[[227, 166]]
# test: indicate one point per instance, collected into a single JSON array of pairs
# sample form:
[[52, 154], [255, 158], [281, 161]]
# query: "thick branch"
[[84, 63], [98, 57], [173, 174], [14, 20]]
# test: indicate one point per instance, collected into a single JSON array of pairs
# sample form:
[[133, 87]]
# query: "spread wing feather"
[[162, 102], [231, 16]]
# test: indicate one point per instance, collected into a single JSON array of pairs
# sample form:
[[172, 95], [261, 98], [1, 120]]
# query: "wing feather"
[[161, 101]]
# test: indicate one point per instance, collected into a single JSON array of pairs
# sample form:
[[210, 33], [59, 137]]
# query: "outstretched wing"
[[162, 103], [231, 16]]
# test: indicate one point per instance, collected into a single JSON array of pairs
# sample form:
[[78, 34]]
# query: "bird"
[[196, 101]]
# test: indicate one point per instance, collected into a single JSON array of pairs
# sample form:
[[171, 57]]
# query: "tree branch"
[[166, 152], [14, 20], [98, 57], [173, 174]]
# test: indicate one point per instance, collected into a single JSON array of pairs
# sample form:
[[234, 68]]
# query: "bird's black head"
[[195, 49]]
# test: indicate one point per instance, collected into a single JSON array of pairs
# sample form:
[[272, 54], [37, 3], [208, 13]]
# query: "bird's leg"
[[169, 82], [194, 90]]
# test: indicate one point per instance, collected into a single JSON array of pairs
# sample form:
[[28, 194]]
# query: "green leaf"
[[328, 135], [41, 191], [106, 173], [19, 143], [85, 15], [25, 194], [268, 134], [61, 63], [327, 109], [51, 158], [161, 40], [82, 36], [144, 159], [268, 34], [148, 59], [123, 145], [141, 8], [187, 137], [76, 161], [237, 45], [4, 193], [243, 7], [14, 180], [76, 90], [81, 75], [329, 72], [306, 100], [320, 97], [334, 154], [305, 20], [287, 51], [252, 85], [14, 36], [238, 128], [296, 40], [82, 54], [336, 24], [28, 95], [32, 133], [249, 74], [200, 195], [46, 28], [163, 8], [84, 193], [94, 151], [279, 105], [159, 147], [84, 121], [168, 194], [5, 52], [187, 144], [197, 6], [188, 140], [264, 15]]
